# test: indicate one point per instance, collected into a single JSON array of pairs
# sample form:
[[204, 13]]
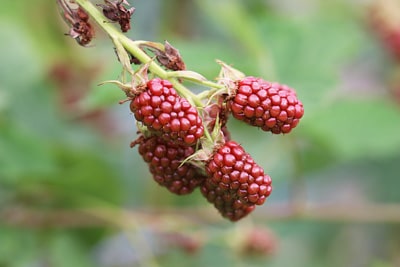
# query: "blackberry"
[[271, 106], [165, 163], [164, 112], [384, 18], [258, 241], [235, 183]]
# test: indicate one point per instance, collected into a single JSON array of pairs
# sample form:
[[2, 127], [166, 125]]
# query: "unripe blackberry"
[[235, 183], [165, 163], [271, 106], [163, 111]]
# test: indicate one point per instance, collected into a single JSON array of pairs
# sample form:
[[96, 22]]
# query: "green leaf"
[[10, 247], [356, 128], [102, 96], [309, 53], [22, 153], [201, 57], [21, 65], [84, 177], [66, 250]]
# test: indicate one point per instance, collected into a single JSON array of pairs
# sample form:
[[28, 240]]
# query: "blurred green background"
[[72, 192]]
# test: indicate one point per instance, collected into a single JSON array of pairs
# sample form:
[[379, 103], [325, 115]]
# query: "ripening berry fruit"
[[271, 106], [164, 159], [384, 18], [163, 111], [235, 183], [258, 241]]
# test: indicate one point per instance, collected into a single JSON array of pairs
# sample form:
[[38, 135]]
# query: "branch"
[[133, 47], [106, 217]]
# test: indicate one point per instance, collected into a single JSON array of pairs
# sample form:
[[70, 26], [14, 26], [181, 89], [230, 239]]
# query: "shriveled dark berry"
[[165, 163], [271, 106], [117, 12], [78, 19], [163, 111], [235, 183]]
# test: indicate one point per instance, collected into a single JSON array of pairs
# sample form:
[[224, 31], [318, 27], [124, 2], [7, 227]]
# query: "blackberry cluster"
[[235, 183], [270, 106], [165, 163], [227, 175], [188, 146], [165, 113]]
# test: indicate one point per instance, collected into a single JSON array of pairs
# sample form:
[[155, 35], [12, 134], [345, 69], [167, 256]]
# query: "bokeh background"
[[72, 192]]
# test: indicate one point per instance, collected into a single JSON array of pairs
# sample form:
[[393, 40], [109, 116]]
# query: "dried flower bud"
[[170, 58], [81, 30], [117, 12]]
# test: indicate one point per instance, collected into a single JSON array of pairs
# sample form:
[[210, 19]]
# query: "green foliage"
[[50, 160], [370, 128]]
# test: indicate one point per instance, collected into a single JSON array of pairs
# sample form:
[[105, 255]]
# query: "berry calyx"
[[217, 113], [271, 106], [235, 183], [164, 112], [165, 164]]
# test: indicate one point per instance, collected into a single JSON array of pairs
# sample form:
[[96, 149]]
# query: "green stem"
[[134, 48], [186, 93], [155, 45], [211, 84], [98, 17]]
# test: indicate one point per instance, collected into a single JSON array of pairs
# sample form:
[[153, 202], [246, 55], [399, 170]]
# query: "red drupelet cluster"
[[270, 106], [384, 19], [165, 163], [227, 176], [165, 113], [188, 146], [235, 183]]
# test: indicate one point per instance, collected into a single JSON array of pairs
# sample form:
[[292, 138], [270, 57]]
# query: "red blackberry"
[[392, 40], [384, 18], [164, 159], [258, 241], [224, 201], [163, 111], [270, 106], [235, 183]]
